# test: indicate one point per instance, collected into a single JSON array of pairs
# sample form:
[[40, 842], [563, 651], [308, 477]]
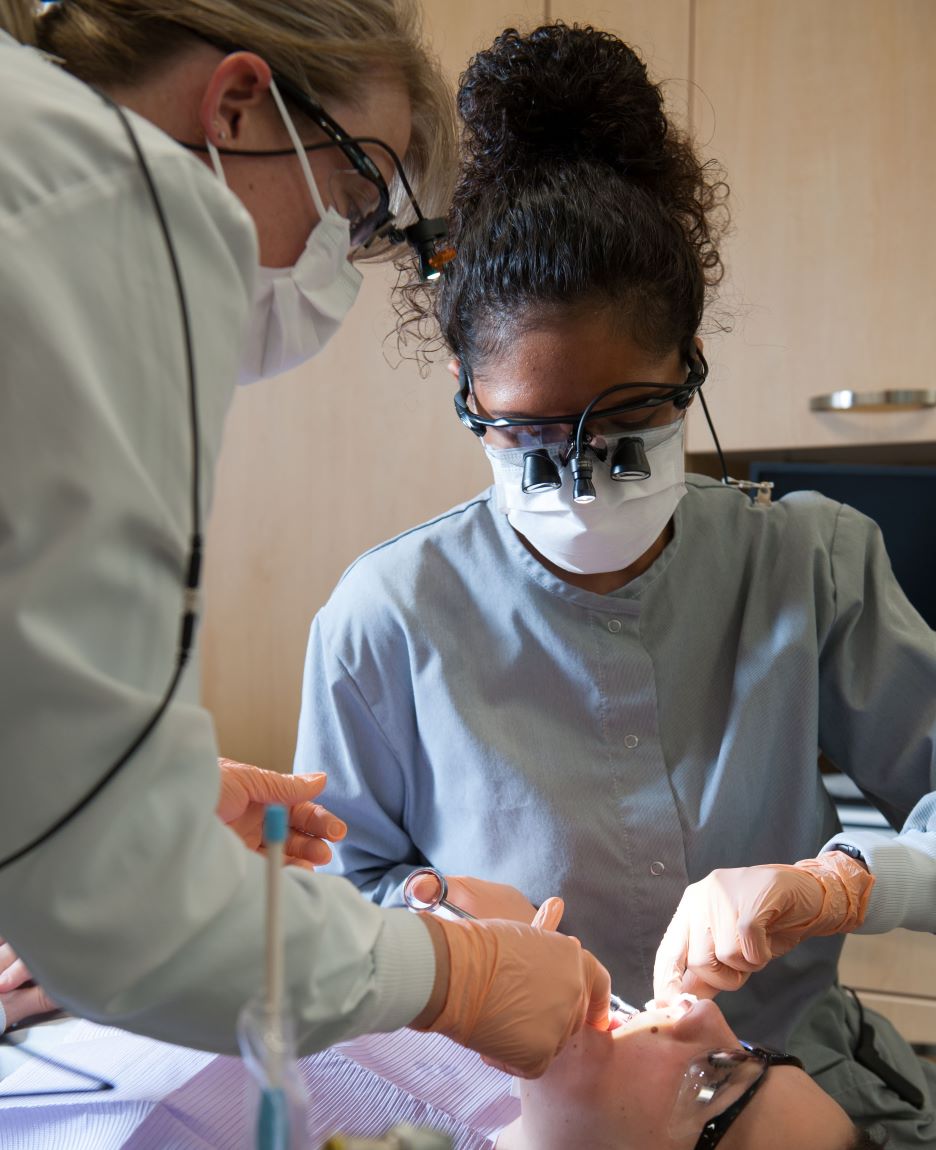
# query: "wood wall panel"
[[319, 465], [659, 29], [893, 974], [822, 114]]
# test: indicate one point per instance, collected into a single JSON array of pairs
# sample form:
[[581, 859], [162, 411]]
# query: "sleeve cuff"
[[404, 961], [904, 869]]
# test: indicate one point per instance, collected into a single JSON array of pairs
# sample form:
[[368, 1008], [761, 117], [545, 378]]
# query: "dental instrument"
[[421, 877]]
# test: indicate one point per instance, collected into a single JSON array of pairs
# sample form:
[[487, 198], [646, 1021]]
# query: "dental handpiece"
[[433, 896]]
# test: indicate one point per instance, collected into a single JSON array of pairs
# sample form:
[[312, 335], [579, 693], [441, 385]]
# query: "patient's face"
[[619, 1088]]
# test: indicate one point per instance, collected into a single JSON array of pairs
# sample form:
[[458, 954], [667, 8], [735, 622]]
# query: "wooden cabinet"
[[659, 30], [822, 114], [895, 974]]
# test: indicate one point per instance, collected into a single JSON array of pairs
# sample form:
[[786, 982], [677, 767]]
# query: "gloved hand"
[[486, 899], [19, 997], [246, 791], [517, 993], [734, 922]]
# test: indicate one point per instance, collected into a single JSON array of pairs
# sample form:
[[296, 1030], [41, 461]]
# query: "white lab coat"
[[143, 911]]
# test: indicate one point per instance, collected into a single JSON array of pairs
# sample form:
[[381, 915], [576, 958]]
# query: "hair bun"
[[560, 94]]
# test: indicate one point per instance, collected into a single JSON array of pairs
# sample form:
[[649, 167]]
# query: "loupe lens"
[[357, 200]]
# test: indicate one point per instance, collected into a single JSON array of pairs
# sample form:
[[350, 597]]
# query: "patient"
[[655, 1083]]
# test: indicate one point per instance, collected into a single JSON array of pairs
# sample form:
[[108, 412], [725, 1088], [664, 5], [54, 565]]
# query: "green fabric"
[[824, 1040]]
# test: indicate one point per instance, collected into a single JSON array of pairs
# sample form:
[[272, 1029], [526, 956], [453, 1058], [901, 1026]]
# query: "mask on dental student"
[[617, 528], [297, 310]]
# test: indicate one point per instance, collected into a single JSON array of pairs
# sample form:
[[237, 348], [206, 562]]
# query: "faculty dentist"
[[130, 303]]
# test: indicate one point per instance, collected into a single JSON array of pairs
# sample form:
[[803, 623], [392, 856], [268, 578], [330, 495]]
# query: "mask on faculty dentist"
[[297, 310], [611, 533]]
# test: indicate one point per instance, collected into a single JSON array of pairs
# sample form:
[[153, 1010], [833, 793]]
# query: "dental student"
[[602, 678], [180, 190]]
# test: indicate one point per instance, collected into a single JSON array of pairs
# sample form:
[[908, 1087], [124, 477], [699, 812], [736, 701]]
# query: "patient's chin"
[[661, 1017]]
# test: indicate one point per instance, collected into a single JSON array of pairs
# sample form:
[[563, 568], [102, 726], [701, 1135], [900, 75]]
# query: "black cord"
[[708, 420], [193, 563], [865, 1054]]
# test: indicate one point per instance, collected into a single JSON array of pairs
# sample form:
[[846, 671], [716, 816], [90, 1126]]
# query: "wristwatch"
[[851, 851]]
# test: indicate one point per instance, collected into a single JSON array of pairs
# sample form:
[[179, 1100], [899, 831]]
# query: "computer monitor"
[[901, 500]]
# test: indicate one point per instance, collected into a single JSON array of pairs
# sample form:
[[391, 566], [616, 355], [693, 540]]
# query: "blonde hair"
[[329, 48]]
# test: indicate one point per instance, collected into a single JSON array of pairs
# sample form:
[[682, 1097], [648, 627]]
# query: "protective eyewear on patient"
[[716, 1089]]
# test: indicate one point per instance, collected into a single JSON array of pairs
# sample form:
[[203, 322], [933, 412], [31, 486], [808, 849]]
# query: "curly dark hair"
[[574, 192]]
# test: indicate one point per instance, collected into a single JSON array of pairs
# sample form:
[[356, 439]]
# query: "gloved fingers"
[[14, 973], [24, 1003], [597, 1014], [486, 899], [549, 914], [715, 961], [783, 941], [273, 787], [503, 1067], [728, 944], [314, 819], [751, 948], [598, 984], [295, 860], [517, 993], [529, 1071], [7, 955], [307, 849], [243, 785], [225, 764], [427, 889], [672, 958]]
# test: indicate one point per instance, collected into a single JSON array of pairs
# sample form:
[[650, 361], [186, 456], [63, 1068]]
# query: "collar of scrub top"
[[426, 235]]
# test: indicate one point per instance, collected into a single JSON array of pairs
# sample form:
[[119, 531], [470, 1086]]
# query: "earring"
[[222, 134]]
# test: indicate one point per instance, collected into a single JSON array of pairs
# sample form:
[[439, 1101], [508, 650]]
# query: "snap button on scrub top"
[[657, 868], [614, 625], [631, 741]]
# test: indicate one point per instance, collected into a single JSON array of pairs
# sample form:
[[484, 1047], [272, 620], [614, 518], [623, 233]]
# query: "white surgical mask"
[[297, 310], [611, 533]]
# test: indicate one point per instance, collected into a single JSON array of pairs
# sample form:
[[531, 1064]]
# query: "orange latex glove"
[[246, 791], [517, 993], [734, 922], [484, 899]]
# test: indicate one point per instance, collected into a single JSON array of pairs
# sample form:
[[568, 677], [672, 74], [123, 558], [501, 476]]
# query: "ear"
[[234, 98], [699, 343], [454, 369]]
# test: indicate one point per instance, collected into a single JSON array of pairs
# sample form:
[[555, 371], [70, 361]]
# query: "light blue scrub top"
[[479, 714]]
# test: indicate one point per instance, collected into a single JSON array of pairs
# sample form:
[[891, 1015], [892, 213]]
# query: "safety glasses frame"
[[715, 1129], [679, 394], [426, 235]]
